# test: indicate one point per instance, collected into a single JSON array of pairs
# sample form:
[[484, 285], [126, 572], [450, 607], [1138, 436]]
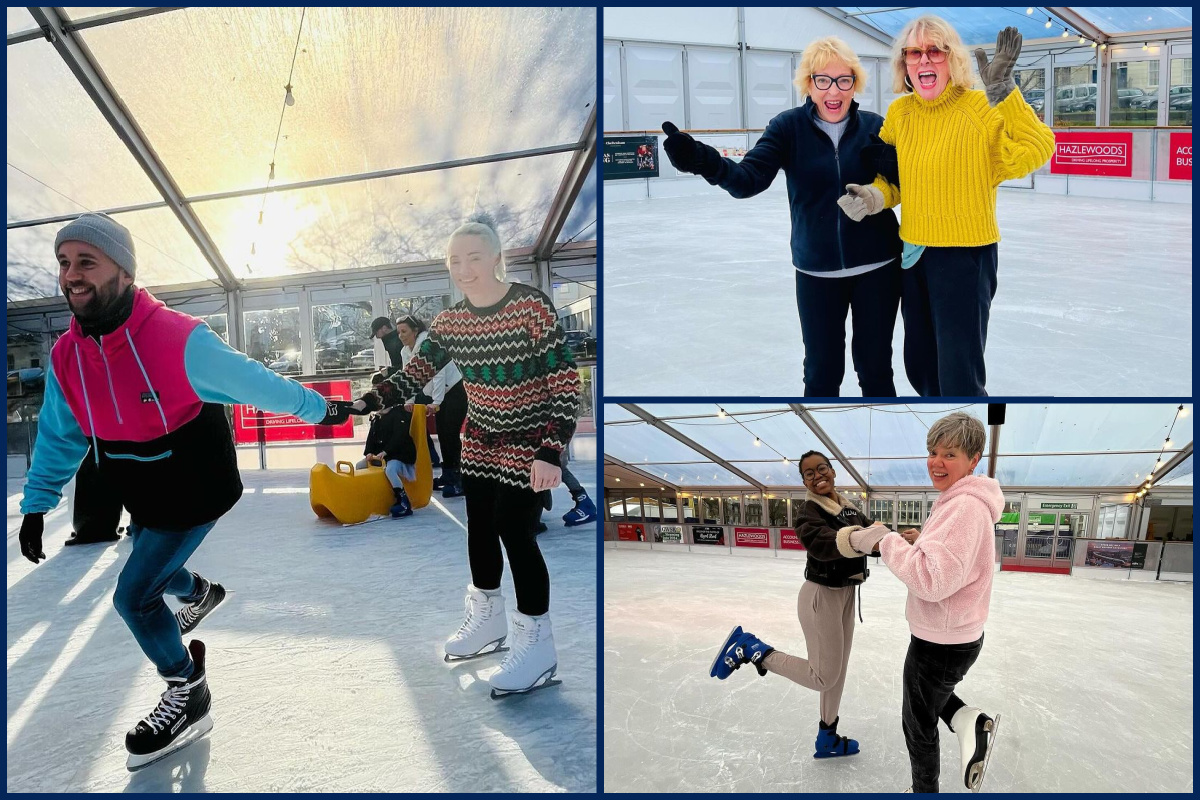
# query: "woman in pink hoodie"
[[948, 570]]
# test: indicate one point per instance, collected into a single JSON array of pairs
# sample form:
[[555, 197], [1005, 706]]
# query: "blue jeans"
[[155, 568]]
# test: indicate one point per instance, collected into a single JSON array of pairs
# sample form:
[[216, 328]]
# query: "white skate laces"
[[170, 706], [479, 610]]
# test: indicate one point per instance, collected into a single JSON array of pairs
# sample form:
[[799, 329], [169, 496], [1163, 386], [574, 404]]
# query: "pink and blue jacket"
[[147, 399]]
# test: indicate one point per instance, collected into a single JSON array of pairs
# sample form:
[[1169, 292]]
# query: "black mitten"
[[688, 155], [880, 158]]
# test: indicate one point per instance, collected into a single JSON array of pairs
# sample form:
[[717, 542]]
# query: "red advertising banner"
[[631, 532], [1180, 168], [790, 541], [751, 537], [251, 424], [1093, 153]]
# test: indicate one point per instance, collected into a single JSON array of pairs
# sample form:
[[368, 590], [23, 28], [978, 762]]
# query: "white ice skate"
[[484, 628], [976, 738], [533, 660]]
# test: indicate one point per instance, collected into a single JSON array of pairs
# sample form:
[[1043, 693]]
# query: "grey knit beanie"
[[101, 230]]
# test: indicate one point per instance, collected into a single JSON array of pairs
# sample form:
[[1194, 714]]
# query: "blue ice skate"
[[739, 648], [583, 512], [830, 745]]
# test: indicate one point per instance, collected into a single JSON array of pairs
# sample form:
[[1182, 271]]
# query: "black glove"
[[371, 401], [688, 155], [31, 537], [338, 411], [880, 158]]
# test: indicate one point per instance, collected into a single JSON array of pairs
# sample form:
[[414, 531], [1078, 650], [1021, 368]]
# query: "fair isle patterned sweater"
[[521, 382]]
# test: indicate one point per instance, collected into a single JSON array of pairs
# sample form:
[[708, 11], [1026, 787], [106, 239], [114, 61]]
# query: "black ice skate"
[[182, 717], [977, 739], [191, 614]]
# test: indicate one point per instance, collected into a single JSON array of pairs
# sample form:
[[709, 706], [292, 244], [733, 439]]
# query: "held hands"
[[998, 76], [860, 201], [31, 537], [338, 411], [433, 407], [544, 476], [688, 155]]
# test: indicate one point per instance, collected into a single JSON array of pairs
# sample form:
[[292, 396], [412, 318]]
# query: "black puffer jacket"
[[818, 529], [823, 238], [389, 434]]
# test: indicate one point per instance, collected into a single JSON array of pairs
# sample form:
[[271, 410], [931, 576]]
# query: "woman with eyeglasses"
[[825, 605], [842, 267], [954, 145]]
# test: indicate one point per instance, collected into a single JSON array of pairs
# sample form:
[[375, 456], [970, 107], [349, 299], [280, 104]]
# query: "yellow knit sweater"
[[953, 153]]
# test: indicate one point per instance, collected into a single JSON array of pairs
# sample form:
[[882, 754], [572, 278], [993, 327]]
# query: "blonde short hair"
[[819, 53], [959, 430], [935, 31], [483, 226]]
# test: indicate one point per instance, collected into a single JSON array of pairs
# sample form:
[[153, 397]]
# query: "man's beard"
[[102, 301]]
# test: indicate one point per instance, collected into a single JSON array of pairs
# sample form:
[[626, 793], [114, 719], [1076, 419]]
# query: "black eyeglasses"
[[823, 82], [822, 469]]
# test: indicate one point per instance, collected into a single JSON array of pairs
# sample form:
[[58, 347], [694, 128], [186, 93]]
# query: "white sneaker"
[[484, 628], [976, 733], [533, 660]]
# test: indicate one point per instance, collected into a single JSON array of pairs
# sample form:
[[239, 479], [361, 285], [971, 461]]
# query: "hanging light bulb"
[[1168, 444], [1104, 46], [786, 462], [288, 98], [1093, 45], [271, 174], [1029, 10], [260, 213], [1065, 33], [1145, 46], [1182, 412], [720, 412], [757, 442], [1081, 39], [252, 249], [618, 480], [1048, 22]]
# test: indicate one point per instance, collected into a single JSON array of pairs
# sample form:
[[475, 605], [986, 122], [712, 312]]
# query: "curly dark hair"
[[813, 453]]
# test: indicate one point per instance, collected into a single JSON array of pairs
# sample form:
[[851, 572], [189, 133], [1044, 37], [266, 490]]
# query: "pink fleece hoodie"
[[948, 570]]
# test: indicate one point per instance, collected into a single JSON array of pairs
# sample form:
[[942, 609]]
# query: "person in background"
[[146, 384], [390, 444], [383, 330]]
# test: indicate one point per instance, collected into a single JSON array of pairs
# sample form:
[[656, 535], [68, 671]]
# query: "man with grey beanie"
[[146, 385]]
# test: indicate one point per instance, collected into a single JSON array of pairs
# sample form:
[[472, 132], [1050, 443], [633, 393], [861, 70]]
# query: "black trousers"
[[873, 299], [931, 671], [499, 513], [947, 302], [450, 418], [97, 508]]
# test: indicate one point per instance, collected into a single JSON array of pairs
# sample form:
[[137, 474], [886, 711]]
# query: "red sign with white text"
[[252, 424], [788, 540], [1180, 168], [751, 537], [631, 532], [1093, 153]]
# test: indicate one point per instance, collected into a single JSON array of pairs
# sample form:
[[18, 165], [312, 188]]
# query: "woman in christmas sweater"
[[522, 394], [954, 145]]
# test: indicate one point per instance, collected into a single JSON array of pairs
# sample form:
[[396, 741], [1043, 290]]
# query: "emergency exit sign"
[[1060, 505]]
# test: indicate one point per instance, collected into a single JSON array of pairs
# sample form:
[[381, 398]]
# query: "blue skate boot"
[[739, 648], [583, 512], [830, 745], [403, 507]]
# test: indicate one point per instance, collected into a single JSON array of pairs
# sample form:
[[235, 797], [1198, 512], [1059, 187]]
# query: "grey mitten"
[[998, 76], [867, 539], [861, 201]]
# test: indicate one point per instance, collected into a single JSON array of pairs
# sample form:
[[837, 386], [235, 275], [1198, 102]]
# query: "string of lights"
[[1180, 413]]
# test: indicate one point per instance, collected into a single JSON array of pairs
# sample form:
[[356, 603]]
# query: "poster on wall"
[[1139, 555], [630, 157], [631, 532], [252, 424], [1118, 555], [708, 534], [1180, 165], [671, 534], [751, 537], [788, 540], [1093, 153]]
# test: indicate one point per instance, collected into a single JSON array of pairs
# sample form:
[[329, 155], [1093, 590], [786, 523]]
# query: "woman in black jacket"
[[390, 443], [840, 264], [825, 606]]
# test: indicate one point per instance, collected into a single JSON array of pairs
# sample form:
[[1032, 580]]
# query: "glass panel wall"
[[219, 324], [777, 512], [733, 509], [342, 336], [650, 508], [616, 505], [1179, 110], [1134, 94], [1075, 95], [711, 506], [688, 506], [754, 510], [273, 337], [670, 513], [1032, 84]]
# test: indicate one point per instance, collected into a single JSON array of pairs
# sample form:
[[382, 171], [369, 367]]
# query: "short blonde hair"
[[959, 430], [935, 31], [819, 53], [483, 226]]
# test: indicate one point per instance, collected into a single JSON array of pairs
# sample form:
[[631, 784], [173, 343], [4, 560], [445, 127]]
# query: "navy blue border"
[[598, 411]]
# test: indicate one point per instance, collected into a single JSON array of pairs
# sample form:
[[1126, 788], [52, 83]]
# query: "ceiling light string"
[[288, 100], [1149, 483]]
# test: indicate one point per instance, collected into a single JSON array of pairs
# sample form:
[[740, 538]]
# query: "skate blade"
[[545, 680], [712, 670], [980, 769], [197, 731], [449, 659]]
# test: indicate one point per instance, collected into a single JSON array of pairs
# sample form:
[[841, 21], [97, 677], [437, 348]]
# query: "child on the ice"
[[825, 606], [390, 443], [948, 572]]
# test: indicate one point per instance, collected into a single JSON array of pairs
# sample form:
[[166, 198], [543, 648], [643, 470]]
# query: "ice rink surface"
[[1094, 299], [1093, 679], [325, 664]]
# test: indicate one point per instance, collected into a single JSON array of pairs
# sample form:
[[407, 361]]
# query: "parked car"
[[581, 344], [363, 359], [1181, 101], [331, 359], [1036, 99], [287, 364], [1125, 97], [1073, 99]]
